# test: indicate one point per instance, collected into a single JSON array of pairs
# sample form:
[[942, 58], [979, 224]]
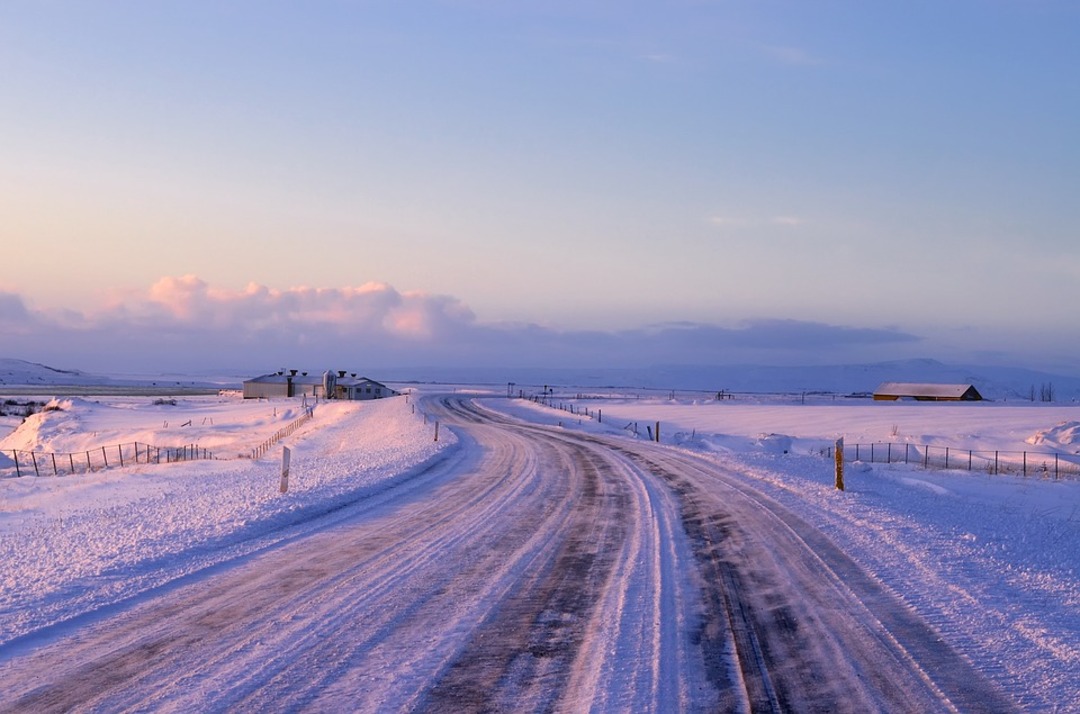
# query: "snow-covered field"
[[70, 544], [991, 561]]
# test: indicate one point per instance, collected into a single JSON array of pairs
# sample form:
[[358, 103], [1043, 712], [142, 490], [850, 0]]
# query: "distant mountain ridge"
[[1000, 383]]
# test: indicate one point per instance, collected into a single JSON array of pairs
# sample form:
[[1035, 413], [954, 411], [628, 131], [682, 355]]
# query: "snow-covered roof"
[[310, 378], [916, 389], [282, 378], [353, 381]]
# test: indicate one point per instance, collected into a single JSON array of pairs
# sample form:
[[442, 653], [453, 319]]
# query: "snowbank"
[[1063, 437], [228, 426]]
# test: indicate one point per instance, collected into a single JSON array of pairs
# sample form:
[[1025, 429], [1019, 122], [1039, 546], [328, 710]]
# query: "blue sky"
[[858, 180]]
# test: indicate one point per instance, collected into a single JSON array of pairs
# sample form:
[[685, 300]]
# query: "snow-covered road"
[[527, 568]]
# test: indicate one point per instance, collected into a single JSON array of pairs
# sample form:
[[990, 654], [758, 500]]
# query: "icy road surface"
[[527, 569]]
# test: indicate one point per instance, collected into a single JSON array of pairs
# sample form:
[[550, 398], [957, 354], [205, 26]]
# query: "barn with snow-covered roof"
[[328, 385], [922, 392]]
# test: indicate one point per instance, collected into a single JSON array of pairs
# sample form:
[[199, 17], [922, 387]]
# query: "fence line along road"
[[1026, 463], [283, 432], [51, 463]]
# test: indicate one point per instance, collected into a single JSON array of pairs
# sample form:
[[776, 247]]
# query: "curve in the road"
[[551, 571]]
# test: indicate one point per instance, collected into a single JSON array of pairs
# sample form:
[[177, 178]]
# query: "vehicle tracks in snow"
[[808, 628], [549, 571], [790, 622]]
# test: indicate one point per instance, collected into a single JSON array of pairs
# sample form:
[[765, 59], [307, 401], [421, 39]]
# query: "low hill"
[[22, 373], [20, 376]]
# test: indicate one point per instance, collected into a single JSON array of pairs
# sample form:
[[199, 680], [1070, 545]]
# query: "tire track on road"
[[552, 571], [810, 629], [520, 582], [790, 622]]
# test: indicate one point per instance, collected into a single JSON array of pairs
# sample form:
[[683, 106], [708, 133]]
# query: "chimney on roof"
[[293, 372], [304, 374], [341, 374], [354, 375]]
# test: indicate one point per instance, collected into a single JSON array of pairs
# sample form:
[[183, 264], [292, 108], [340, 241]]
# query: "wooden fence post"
[[840, 464]]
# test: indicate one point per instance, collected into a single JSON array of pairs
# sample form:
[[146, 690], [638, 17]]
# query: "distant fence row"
[[48, 463], [283, 432], [1024, 463], [1039, 464]]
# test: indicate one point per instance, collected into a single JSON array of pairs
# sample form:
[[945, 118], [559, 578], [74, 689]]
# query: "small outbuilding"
[[892, 391], [354, 388]]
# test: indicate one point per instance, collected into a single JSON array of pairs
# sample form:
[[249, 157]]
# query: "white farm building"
[[328, 385]]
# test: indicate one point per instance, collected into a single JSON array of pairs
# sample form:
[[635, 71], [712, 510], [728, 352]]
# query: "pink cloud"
[[371, 309], [184, 323]]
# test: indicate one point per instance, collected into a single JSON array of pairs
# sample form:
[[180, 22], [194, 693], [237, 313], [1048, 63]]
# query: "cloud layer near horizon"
[[185, 324]]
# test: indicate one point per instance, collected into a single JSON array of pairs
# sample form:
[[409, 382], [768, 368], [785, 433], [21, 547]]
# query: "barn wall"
[[265, 390]]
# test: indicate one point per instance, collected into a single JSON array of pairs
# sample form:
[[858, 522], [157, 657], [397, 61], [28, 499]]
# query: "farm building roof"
[[276, 378], [927, 391]]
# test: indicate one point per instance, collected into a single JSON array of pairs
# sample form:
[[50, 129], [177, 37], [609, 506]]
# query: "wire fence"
[[56, 463], [283, 432], [1040, 464], [51, 463]]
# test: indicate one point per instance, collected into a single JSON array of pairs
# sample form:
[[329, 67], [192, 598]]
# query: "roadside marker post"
[[286, 457]]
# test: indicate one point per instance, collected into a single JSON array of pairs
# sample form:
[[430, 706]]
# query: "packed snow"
[[991, 561]]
